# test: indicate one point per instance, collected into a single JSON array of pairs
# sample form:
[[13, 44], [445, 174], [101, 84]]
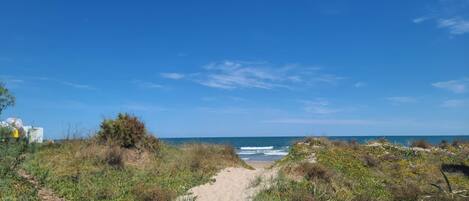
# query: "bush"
[[444, 144], [312, 171], [151, 143], [143, 193], [126, 131], [369, 161], [113, 157], [421, 144]]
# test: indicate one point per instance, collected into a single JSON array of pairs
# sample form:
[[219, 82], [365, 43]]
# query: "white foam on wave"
[[279, 153], [247, 152], [257, 148]]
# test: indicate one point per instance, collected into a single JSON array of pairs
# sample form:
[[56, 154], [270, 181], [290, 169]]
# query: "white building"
[[34, 134]]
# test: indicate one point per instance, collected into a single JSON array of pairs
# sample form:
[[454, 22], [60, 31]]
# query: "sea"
[[274, 148]]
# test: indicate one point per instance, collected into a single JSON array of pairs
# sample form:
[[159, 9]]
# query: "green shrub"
[[126, 131]]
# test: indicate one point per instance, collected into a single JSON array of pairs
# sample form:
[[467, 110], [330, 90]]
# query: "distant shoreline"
[[438, 135]]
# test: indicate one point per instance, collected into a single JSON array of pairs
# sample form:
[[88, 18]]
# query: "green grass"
[[13, 187], [78, 170], [360, 172]]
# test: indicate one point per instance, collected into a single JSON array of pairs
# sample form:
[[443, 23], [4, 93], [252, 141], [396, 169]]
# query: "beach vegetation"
[[318, 169], [118, 164], [421, 144]]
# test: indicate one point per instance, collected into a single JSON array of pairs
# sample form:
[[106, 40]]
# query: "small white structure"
[[34, 134]]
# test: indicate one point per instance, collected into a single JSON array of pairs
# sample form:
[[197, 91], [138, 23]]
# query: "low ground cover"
[[319, 169]]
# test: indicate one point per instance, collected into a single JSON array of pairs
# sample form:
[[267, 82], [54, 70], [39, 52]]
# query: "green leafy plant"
[[126, 131]]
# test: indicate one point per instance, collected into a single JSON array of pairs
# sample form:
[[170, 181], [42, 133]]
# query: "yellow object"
[[15, 133]]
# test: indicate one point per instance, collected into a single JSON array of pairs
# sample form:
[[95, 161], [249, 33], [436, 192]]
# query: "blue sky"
[[240, 68]]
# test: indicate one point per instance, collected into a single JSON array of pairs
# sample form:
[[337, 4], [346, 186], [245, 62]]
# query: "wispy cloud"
[[451, 15], [223, 98], [260, 75], [146, 84], [454, 103], [174, 76], [16, 81], [456, 26], [319, 106], [456, 86], [78, 86], [321, 121], [231, 75], [401, 99], [10, 81], [224, 110], [359, 84], [419, 20]]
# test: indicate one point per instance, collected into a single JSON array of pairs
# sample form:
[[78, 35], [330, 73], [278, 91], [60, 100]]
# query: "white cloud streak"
[[78, 86], [148, 85], [456, 26], [451, 15], [319, 106], [242, 74], [359, 84], [173, 76], [456, 86], [419, 20]]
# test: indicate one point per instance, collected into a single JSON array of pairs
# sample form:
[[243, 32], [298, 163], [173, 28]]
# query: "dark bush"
[[312, 171], [458, 142], [126, 131], [444, 144], [382, 140], [144, 193], [113, 157], [421, 144], [389, 157], [369, 161]]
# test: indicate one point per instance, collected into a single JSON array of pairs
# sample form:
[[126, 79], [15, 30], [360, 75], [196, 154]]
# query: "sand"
[[233, 184]]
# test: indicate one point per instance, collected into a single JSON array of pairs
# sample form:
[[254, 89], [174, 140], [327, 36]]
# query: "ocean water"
[[274, 148]]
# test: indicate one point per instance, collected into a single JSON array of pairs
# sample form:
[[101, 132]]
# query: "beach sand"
[[233, 184]]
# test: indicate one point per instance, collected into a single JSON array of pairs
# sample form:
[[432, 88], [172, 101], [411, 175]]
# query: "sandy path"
[[231, 184], [43, 193]]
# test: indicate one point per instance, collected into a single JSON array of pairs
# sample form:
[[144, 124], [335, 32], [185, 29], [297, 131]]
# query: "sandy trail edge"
[[232, 184], [43, 193]]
